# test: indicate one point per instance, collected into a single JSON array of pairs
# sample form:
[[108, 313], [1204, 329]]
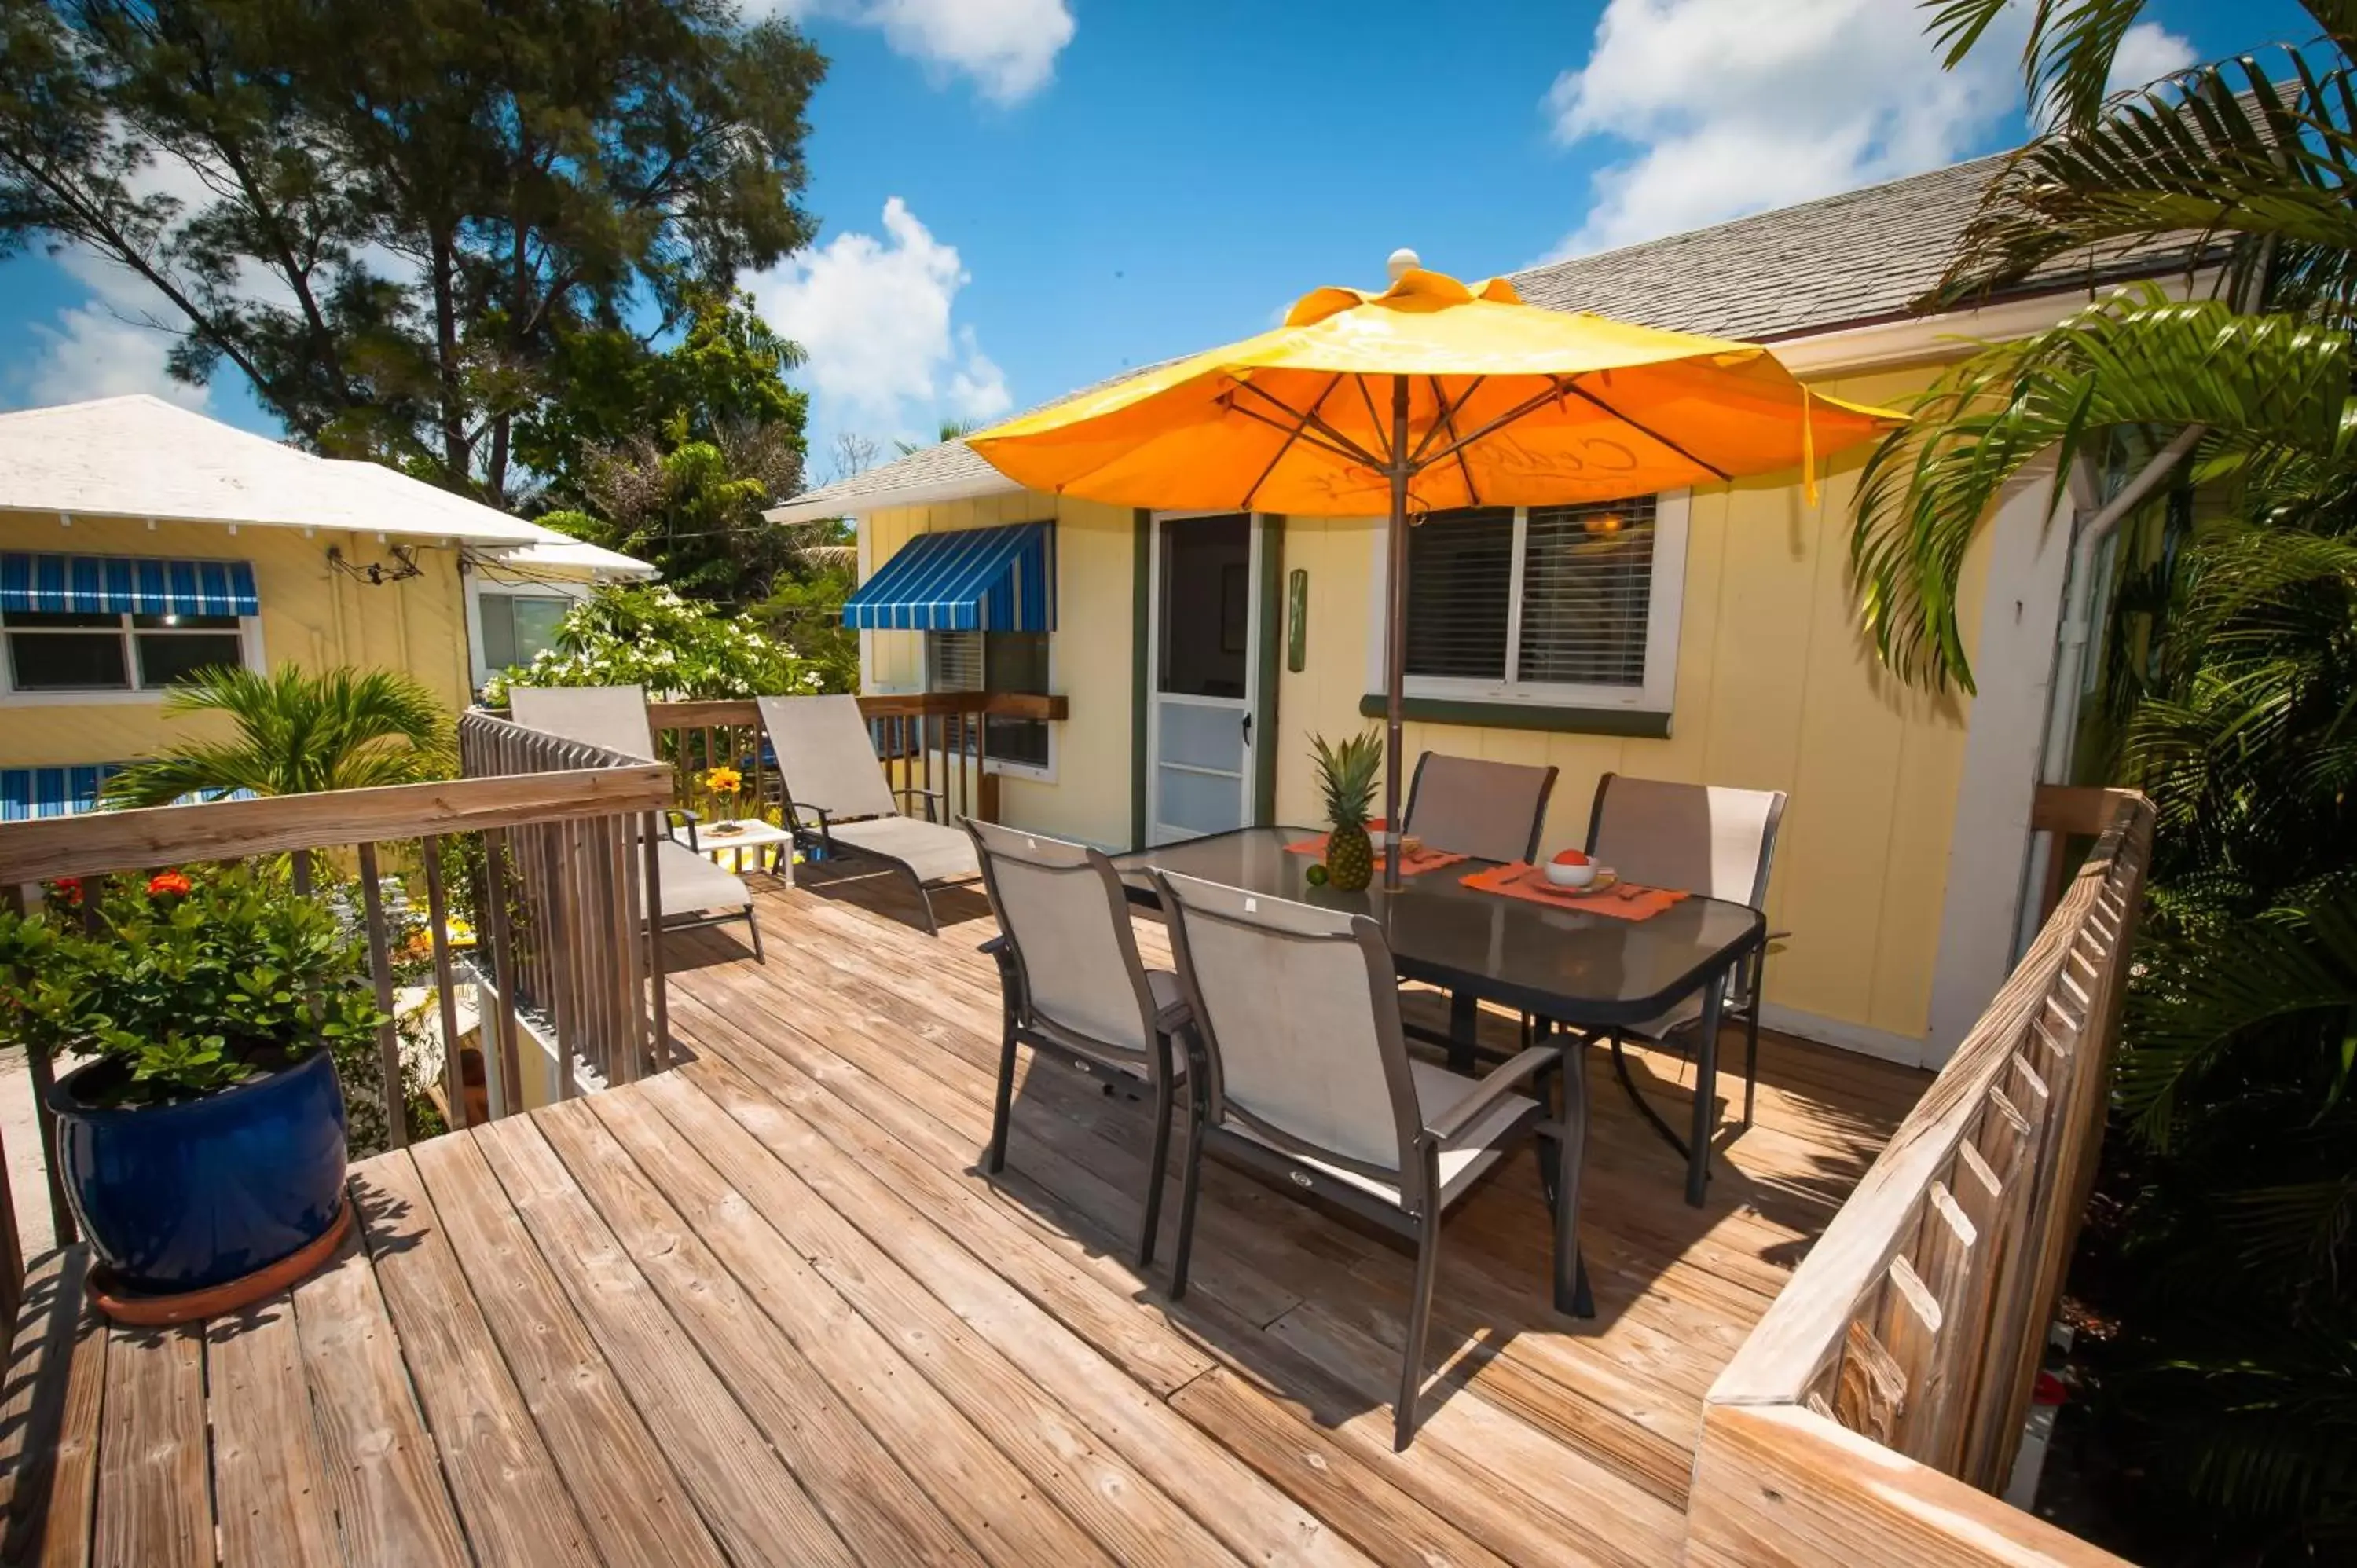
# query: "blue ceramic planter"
[[180, 1197]]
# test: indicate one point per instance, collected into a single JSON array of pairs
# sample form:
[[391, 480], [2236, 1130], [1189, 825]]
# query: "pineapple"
[[1345, 776]]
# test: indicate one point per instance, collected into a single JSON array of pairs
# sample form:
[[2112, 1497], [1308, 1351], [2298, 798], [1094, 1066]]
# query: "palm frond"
[[2263, 386], [2066, 61], [2258, 149], [297, 732]]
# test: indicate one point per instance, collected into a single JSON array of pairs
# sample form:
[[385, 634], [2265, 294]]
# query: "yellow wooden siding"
[[1089, 797], [310, 614]]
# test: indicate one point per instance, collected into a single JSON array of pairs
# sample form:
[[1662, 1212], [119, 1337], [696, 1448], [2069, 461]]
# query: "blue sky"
[[1021, 196]]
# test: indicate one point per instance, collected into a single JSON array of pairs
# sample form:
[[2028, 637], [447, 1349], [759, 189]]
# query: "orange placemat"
[[1520, 879], [1413, 863]]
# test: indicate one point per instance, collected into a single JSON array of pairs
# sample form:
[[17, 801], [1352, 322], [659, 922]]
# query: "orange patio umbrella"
[[1429, 397]]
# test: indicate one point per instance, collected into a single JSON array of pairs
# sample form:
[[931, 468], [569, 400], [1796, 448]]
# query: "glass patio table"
[[1591, 971]]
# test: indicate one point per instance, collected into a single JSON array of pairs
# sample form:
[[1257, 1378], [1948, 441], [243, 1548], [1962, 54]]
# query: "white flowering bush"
[[678, 648]]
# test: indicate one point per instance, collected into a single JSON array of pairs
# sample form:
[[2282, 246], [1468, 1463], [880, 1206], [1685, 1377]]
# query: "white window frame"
[[1003, 767], [1663, 612], [250, 654]]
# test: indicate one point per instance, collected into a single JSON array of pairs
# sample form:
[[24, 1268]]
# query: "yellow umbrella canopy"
[[1427, 397], [1507, 405]]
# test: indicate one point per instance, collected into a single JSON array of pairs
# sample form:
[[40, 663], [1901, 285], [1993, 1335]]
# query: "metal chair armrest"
[[1518, 1070], [676, 817], [935, 801]]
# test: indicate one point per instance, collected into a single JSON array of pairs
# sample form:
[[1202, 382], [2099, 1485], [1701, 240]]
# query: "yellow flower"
[[724, 780]]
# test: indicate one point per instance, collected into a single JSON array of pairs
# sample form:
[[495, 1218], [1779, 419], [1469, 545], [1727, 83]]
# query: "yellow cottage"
[[1708, 636], [139, 540]]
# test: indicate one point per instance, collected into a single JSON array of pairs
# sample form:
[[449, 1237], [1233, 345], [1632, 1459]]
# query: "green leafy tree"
[[296, 733], [694, 507], [674, 647], [389, 215], [723, 378], [2224, 1249]]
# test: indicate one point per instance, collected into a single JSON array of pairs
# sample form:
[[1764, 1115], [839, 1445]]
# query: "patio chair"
[[694, 891], [832, 775], [1709, 840], [1302, 1074], [1073, 985], [1491, 811]]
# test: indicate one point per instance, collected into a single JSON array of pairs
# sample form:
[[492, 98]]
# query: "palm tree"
[[2226, 1250], [296, 734]]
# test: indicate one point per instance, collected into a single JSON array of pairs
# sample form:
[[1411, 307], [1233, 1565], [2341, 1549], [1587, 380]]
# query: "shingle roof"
[[1841, 261]]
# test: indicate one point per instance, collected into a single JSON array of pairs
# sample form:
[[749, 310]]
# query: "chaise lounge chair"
[[694, 891], [834, 780]]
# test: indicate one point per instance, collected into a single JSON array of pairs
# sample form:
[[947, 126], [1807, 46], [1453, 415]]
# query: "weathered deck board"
[[267, 1483], [765, 1308]]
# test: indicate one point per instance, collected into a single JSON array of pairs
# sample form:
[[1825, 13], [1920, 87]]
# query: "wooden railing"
[[561, 836], [1881, 1398], [927, 740], [580, 949]]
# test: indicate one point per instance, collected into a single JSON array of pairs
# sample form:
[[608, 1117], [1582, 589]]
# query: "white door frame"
[[1153, 696]]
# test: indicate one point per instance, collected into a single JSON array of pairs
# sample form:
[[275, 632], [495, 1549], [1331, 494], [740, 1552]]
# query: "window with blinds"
[[1502, 597], [996, 662]]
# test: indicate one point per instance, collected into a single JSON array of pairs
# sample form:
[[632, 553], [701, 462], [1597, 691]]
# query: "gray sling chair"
[[1491, 811], [1302, 1073], [1708, 840], [1073, 985], [694, 891], [832, 775]]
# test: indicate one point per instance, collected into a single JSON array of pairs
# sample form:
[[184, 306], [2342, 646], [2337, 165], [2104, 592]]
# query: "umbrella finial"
[[1402, 261]]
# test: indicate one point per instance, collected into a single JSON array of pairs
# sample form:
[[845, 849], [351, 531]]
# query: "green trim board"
[[1141, 664], [1622, 722], [1271, 631]]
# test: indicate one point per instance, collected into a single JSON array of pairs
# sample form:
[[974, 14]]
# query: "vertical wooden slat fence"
[[1881, 1398], [580, 947]]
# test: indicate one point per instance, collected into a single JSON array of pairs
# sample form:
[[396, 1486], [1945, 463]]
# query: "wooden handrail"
[[1913, 1330], [95, 844], [720, 711]]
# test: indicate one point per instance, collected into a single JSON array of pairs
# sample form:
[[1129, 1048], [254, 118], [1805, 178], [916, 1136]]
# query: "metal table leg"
[[1464, 1029], [1705, 1098], [1571, 1292]]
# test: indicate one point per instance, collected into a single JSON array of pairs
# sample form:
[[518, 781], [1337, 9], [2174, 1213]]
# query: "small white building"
[[516, 598]]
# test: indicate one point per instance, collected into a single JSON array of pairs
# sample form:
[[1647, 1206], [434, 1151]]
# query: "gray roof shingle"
[[1840, 261]]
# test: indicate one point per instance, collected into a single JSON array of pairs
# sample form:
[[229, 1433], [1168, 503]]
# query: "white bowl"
[[1564, 875]]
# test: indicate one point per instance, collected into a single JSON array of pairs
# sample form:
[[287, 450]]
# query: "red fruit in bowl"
[[1571, 857]]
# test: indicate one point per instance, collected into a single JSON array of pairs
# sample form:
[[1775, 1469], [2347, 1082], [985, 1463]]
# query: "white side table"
[[752, 834]]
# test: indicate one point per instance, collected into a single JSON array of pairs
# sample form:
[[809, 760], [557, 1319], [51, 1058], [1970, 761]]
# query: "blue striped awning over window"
[[973, 579], [29, 792], [124, 584]]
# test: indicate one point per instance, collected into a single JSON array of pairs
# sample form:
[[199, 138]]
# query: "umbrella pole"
[[1396, 634]]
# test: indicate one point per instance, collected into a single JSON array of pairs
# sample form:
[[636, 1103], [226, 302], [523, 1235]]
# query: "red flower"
[[164, 882], [66, 890]]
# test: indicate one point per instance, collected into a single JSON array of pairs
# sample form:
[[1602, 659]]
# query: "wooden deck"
[[762, 1309]]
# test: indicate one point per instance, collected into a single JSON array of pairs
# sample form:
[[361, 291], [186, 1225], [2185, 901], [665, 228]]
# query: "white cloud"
[[2148, 52], [1007, 47], [874, 315], [89, 351], [1731, 106]]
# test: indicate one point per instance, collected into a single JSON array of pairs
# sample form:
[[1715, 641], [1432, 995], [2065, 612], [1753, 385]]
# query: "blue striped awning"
[[972, 579], [124, 584], [29, 792]]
